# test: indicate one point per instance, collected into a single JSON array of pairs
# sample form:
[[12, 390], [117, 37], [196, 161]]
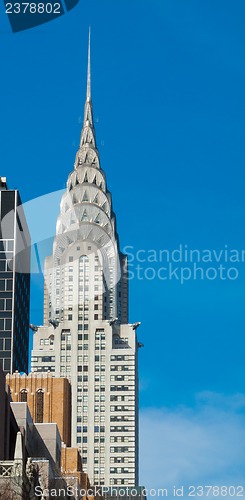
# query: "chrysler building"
[[86, 336]]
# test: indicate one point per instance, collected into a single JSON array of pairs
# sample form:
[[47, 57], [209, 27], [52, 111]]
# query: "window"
[[9, 285], [39, 406], [23, 396], [7, 345]]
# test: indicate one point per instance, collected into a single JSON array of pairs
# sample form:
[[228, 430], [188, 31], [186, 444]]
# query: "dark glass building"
[[14, 281]]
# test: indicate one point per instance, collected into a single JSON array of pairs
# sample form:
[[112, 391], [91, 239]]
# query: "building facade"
[[8, 426], [48, 399], [34, 459], [86, 336], [14, 281]]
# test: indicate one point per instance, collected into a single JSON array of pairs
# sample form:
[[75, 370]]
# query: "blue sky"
[[168, 81]]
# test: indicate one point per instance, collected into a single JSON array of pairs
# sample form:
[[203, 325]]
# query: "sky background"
[[168, 81]]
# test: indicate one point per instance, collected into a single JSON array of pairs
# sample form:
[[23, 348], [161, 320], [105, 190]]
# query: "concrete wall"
[[24, 421], [47, 442]]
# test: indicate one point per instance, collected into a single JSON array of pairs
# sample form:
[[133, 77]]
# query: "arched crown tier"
[[86, 207]]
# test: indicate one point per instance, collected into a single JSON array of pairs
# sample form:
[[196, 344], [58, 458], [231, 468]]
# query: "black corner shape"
[[24, 14], [70, 4]]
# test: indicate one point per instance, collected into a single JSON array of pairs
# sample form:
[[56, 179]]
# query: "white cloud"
[[203, 445]]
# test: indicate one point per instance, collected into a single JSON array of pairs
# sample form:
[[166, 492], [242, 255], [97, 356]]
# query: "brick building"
[[48, 399]]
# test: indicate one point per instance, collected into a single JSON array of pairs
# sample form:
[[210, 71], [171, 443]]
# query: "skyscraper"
[[86, 336], [14, 281]]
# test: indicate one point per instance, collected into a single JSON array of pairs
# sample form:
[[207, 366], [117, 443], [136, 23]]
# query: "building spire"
[[88, 134], [88, 97]]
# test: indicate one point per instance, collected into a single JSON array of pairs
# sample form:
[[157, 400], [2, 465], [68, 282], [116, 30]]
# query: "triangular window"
[[94, 181], [97, 219], [85, 177], [84, 216], [85, 196]]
